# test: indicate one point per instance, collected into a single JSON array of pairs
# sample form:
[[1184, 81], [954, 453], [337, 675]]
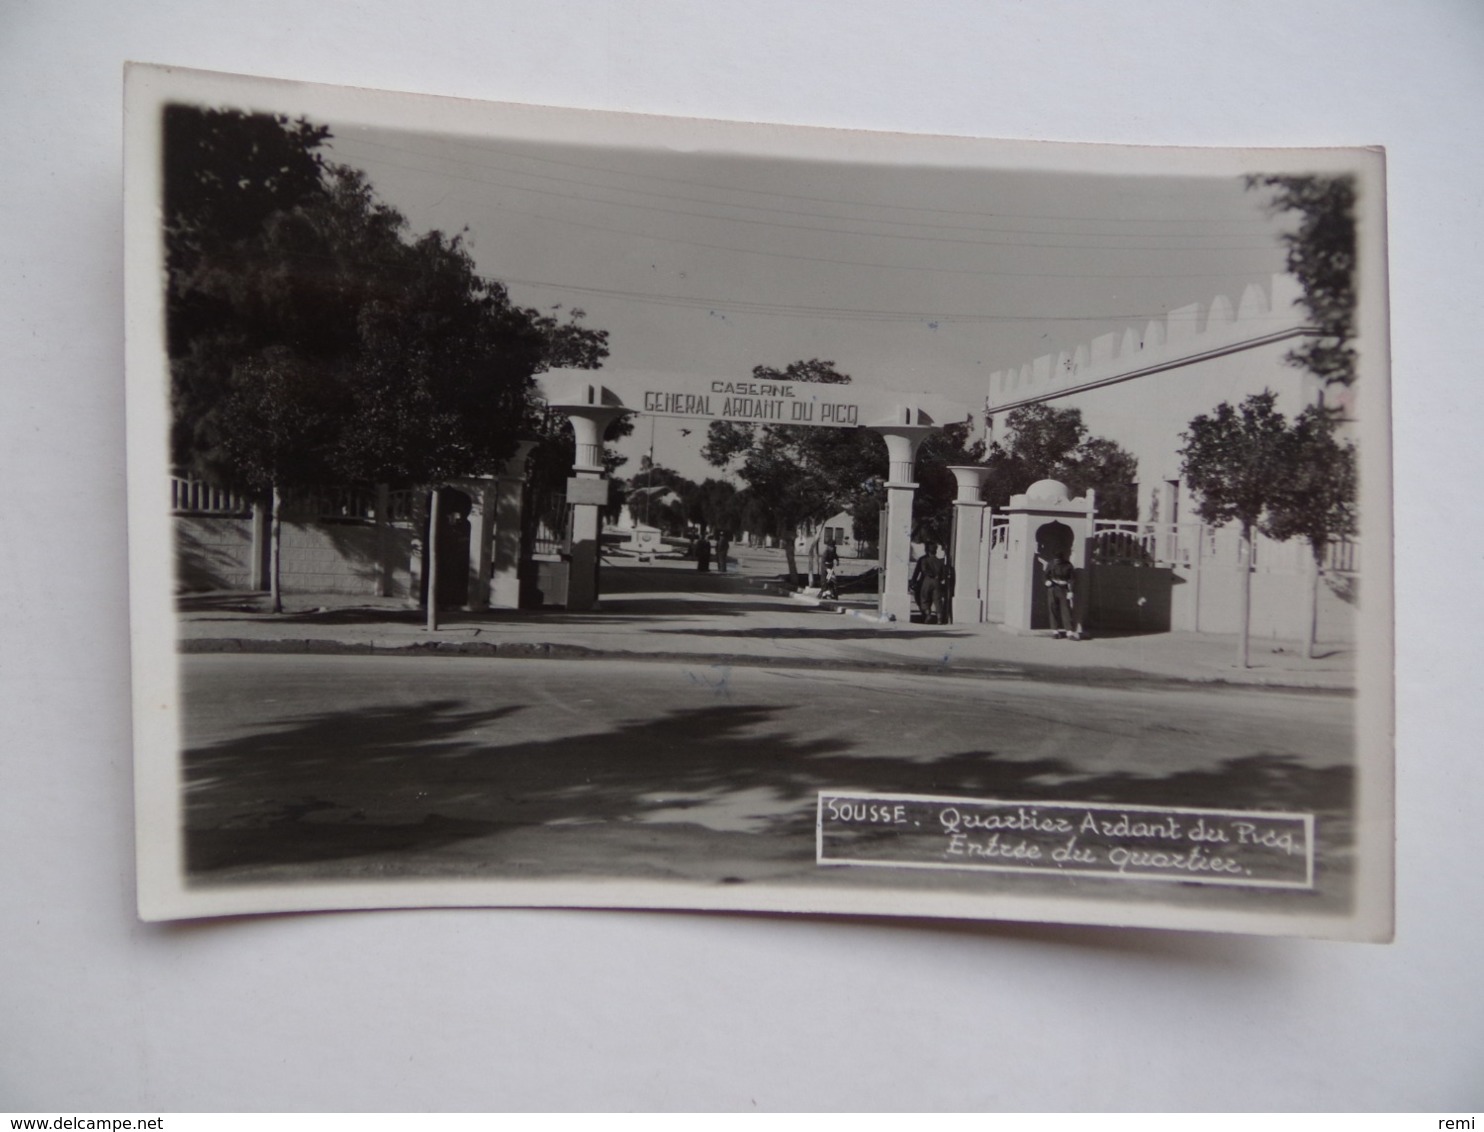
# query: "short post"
[[430, 557]]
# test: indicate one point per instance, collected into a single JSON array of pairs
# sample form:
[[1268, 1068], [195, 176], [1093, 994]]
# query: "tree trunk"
[[789, 535], [430, 560], [384, 568], [1245, 608], [1312, 639], [275, 551]]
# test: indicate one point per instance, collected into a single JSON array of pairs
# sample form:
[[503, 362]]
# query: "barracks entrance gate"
[[592, 400]]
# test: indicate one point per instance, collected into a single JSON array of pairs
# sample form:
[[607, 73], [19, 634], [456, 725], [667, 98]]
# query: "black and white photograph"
[[540, 507]]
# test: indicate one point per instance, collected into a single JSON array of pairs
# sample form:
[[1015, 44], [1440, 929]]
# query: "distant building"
[[839, 529]]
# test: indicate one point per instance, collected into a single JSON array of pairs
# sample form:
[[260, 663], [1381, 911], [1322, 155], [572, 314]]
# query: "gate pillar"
[[969, 534], [507, 508], [587, 490], [481, 493], [903, 437], [1044, 521]]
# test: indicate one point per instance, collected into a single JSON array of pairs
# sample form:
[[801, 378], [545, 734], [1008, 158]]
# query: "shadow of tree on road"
[[412, 779]]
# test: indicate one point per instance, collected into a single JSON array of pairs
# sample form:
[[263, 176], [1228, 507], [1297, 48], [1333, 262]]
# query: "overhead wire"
[[777, 195], [1265, 247]]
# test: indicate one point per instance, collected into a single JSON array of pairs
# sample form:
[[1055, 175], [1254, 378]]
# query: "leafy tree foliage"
[[1316, 499], [1321, 255], [1236, 461], [708, 505], [932, 506], [427, 366], [797, 474], [312, 339], [1050, 443], [659, 496]]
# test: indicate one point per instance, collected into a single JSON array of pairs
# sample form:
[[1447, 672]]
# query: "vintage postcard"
[[542, 507]]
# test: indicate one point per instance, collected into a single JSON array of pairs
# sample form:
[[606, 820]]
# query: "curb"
[[1105, 675]]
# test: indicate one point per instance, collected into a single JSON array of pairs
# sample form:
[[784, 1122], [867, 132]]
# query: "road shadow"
[[405, 780]]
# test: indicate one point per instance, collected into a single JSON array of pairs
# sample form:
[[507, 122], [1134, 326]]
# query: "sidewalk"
[[668, 612]]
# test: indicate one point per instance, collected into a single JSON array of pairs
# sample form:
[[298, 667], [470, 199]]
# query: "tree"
[[1321, 255], [795, 473], [1049, 443], [277, 424], [1316, 500], [711, 504], [303, 318], [937, 488], [1236, 461], [658, 496]]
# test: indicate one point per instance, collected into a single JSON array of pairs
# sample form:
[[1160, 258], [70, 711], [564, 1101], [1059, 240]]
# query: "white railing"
[[999, 536], [349, 504], [197, 497], [550, 526], [1117, 541], [1342, 556], [1198, 545]]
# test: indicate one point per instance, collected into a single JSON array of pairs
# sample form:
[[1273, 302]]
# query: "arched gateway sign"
[[593, 399], [755, 402]]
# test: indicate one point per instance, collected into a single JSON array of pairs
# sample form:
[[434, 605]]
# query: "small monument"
[[643, 540]]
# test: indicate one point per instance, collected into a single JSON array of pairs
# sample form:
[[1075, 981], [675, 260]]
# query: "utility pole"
[[649, 480], [430, 558]]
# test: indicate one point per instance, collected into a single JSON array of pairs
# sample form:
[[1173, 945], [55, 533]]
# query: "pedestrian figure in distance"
[[932, 574], [831, 563], [723, 544], [1060, 574], [703, 554]]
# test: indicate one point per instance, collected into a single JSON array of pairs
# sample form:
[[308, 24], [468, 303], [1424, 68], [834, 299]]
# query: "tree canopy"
[[932, 505], [1322, 256], [1235, 461], [1315, 500], [798, 474], [304, 318], [1045, 442], [1234, 458]]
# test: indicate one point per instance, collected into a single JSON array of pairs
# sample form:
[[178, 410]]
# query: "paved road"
[[344, 766]]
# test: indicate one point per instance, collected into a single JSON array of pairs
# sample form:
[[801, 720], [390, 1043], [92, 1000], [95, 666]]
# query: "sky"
[[908, 278]]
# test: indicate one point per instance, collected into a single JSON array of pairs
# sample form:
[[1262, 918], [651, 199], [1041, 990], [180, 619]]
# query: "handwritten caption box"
[[1231, 847]]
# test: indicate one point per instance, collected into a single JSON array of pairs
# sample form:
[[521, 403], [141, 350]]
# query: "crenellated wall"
[[1185, 333], [1143, 386]]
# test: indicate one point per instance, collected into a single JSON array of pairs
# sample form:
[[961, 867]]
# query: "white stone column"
[[506, 510], [590, 420], [969, 536], [902, 441], [481, 492]]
